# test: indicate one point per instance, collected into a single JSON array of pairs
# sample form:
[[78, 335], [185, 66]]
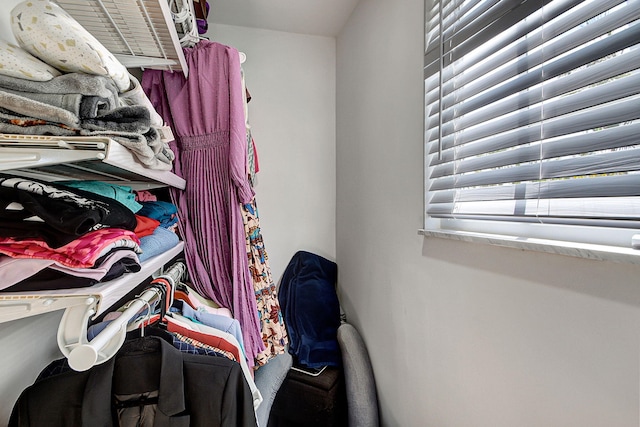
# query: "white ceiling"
[[318, 17]]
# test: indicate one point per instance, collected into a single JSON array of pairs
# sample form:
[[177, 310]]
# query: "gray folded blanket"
[[84, 95], [129, 126], [20, 105], [83, 106], [148, 148], [133, 118], [78, 104], [71, 83]]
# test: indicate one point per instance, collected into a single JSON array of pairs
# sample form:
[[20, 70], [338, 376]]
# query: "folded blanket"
[[83, 106], [71, 90], [13, 123], [130, 126], [70, 83], [77, 104], [136, 96], [12, 103], [148, 148], [122, 119]]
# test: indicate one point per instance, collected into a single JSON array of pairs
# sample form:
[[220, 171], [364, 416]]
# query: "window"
[[532, 120]]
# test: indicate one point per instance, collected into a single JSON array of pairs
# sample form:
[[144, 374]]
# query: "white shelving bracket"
[[53, 158], [74, 343], [13, 307]]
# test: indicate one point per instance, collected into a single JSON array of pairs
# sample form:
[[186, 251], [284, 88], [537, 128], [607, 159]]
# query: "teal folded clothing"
[[164, 212], [121, 193]]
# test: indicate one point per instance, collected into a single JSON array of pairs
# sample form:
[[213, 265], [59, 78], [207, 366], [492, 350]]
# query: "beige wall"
[[461, 334]]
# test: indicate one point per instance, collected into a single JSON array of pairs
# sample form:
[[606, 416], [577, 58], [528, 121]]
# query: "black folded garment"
[[50, 279], [30, 209]]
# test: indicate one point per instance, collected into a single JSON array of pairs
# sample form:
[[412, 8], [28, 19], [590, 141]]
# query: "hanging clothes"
[[274, 333], [206, 115], [252, 155], [148, 383]]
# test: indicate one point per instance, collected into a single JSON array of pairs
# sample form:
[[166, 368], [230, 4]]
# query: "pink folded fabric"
[[80, 253]]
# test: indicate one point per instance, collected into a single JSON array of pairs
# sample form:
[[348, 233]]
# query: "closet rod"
[[81, 353], [84, 354], [176, 272]]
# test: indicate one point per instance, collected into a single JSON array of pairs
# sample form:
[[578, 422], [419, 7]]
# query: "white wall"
[[461, 334], [5, 21], [28, 344], [291, 78]]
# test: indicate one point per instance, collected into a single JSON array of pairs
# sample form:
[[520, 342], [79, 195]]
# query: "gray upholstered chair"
[[362, 401], [268, 379]]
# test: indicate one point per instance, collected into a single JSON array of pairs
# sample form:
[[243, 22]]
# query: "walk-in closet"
[[101, 114], [459, 333]]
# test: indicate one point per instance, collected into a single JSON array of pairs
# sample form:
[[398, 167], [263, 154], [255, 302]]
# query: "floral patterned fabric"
[[272, 325]]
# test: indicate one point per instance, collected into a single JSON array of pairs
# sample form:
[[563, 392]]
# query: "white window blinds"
[[532, 115]]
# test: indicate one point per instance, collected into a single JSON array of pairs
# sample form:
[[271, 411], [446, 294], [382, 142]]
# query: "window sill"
[[580, 250]]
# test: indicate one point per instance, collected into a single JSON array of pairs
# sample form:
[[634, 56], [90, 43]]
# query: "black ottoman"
[[311, 401]]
